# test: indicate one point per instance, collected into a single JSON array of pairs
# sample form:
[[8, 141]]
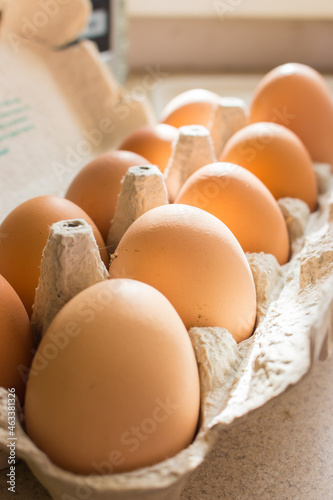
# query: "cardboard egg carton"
[[59, 106], [63, 97], [294, 329]]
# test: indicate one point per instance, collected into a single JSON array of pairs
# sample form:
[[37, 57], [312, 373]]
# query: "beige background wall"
[[231, 45]]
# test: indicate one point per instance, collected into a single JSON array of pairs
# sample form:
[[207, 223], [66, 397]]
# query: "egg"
[[297, 96], [277, 157], [16, 341], [192, 107], [114, 385], [154, 142], [240, 200], [195, 261], [24, 235], [96, 187]]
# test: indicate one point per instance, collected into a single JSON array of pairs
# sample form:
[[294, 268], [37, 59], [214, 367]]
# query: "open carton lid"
[[59, 106]]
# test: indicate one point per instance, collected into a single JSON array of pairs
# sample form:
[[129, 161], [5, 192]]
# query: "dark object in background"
[[99, 29], [107, 28]]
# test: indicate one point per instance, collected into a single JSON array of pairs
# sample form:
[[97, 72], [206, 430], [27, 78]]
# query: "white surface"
[[295, 9]]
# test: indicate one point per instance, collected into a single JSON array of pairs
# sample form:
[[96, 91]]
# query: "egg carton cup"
[[294, 329]]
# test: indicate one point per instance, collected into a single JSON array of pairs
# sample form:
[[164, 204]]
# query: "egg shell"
[[196, 262], [240, 200], [154, 142], [16, 340], [24, 235], [277, 157], [192, 107], [297, 96], [96, 187], [114, 385]]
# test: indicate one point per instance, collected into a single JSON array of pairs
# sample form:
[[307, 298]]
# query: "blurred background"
[[230, 35], [247, 36]]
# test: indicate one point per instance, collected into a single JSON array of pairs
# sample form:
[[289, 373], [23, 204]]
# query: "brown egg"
[[24, 235], [114, 385], [277, 157], [192, 107], [96, 187], [240, 200], [16, 341], [153, 142], [196, 262], [297, 96]]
